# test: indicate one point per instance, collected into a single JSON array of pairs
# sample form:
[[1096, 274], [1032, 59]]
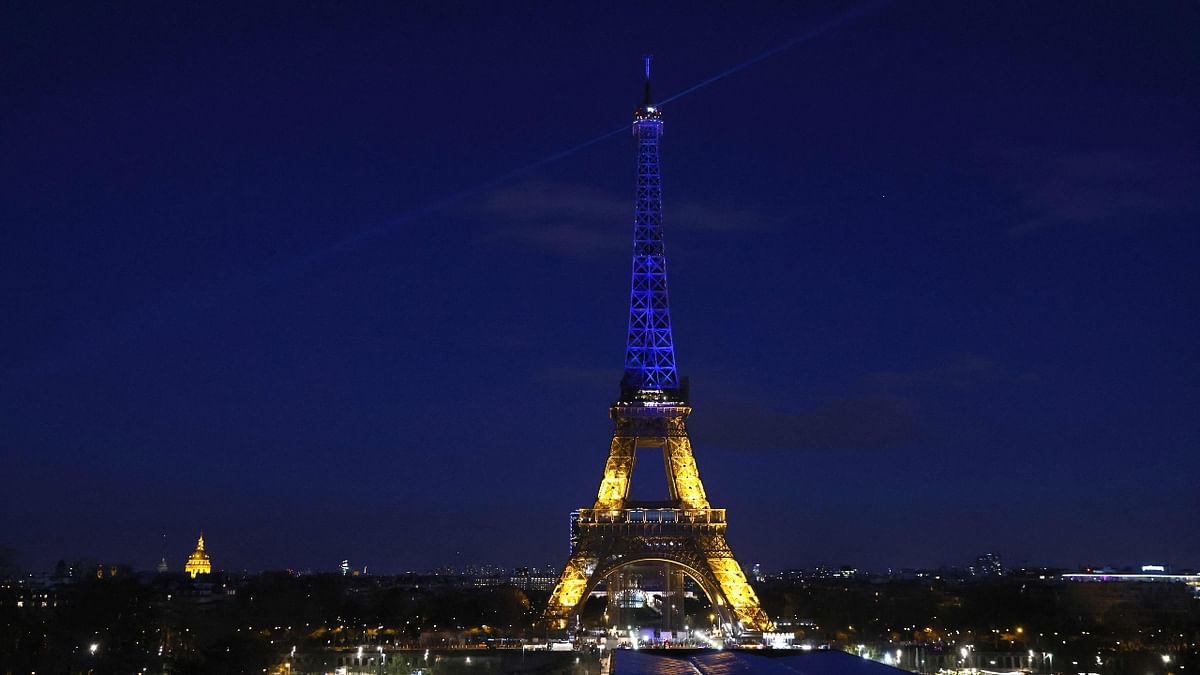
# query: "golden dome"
[[198, 562]]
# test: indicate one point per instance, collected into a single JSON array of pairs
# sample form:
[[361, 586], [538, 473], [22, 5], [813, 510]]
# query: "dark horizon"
[[306, 282]]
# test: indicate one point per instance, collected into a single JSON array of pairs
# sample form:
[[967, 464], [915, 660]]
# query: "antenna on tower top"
[[646, 99]]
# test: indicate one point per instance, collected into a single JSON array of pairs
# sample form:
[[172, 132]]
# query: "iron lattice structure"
[[684, 532], [649, 346]]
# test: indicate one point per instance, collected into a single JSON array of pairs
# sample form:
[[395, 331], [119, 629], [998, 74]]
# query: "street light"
[[93, 647]]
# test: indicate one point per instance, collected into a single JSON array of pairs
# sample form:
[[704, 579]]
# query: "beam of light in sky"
[[779, 49], [449, 200], [286, 268]]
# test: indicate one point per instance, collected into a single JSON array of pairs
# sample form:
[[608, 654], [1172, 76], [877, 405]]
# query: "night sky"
[[276, 273]]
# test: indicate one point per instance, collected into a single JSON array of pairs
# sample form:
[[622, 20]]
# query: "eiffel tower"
[[683, 534]]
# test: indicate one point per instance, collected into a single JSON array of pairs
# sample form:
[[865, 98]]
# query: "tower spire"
[[650, 372], [647, 100]]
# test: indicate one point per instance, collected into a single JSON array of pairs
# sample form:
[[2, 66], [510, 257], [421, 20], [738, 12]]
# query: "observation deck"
[[653, 521], [647, 113]]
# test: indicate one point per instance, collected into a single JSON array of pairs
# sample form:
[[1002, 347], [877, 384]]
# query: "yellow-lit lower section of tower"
[[684, 531], [569, 592], [683, 475], [697, 545], [743, 601], [614, 486], [683, 478]]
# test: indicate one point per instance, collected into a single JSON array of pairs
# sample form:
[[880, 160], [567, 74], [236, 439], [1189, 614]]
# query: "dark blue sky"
[[933, 277]]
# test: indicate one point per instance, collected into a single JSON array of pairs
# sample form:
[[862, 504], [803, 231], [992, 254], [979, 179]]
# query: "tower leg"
[[682, 474], [743, 601], [614, 487], [570, 590]]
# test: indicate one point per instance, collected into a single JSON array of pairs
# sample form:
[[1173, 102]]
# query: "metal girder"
[[649, 346], [736, 589], [614, 487]]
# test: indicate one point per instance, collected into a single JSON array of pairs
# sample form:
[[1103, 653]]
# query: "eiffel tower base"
[[683, 533]]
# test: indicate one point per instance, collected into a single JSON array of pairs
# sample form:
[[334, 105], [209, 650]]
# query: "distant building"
[[62, 572], [757, 573], [112, 571], [28, 594], [162, 566], [988, 565], [533, 579], [485, 570], [198, 562], [1105, 576]]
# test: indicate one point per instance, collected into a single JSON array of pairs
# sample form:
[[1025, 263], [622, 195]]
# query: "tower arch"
[[710, 586]]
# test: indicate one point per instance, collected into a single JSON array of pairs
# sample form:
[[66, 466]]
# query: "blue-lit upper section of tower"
[[650, 371]]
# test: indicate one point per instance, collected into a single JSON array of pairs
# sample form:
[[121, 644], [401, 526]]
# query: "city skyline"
[[483, 568], [310, 283]]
